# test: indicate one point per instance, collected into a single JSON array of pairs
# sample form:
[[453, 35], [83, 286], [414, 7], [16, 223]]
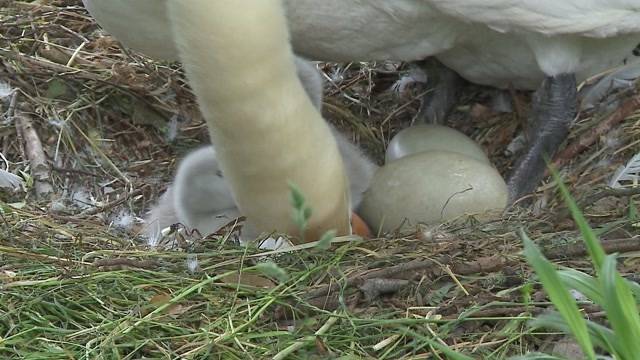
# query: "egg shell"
[[420, 138], [432, 187]]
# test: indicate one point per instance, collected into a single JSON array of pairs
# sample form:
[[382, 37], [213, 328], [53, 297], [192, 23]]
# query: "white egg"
[[432, 187], [420, 138]]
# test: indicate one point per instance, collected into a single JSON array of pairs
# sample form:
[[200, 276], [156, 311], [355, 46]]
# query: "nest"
[[96, 131]]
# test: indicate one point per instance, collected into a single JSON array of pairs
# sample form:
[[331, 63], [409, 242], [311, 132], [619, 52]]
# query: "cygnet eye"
[[219, 173]]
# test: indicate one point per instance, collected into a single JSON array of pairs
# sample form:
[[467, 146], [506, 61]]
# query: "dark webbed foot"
[[553, 109], [444, 86]]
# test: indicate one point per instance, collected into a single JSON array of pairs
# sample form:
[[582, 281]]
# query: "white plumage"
[[545, 45], [494, 42]]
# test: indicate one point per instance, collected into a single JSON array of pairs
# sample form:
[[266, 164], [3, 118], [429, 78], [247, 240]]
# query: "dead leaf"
[[173, 310]]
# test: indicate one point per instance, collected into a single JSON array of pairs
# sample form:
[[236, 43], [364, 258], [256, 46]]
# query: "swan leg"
[[443, 87], [553, 109]]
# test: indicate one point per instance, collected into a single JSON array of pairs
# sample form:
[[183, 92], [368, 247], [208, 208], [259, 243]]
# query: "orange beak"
[[359, 227]]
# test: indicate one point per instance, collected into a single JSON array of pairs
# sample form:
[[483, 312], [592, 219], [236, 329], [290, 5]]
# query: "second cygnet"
[[200, 198]]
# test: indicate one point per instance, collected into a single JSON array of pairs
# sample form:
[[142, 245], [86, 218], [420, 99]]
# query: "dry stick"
[[11, 117], [34, 152], [48, 65], [579, 249], [63, 70], [489, 264], [590, 200], [114, 203], [625, 110], [133, 263], [284, 354], [593, 198], [413, 269], [501, 312]]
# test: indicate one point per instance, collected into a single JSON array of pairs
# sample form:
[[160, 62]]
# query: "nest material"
[[99, 131]]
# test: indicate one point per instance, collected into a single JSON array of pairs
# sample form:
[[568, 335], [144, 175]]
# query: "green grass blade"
[[635, 289], [536, 356], [621, 309], [601, 336], [450, 353], [596, 252], [590, 286], [584, 283], [559, 295]]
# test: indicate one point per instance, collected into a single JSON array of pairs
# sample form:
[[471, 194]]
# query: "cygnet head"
[[200, 189], [199, 198]]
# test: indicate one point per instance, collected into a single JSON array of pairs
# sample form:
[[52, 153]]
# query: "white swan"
[[266, 130], [545, 45], [200, 198]]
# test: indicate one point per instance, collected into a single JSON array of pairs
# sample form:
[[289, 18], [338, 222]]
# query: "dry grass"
[[77, 281]]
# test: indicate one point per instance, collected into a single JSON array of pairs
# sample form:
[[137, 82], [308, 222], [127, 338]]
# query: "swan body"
[[497, 42], [266, 131], [543, 45], [140, 24]]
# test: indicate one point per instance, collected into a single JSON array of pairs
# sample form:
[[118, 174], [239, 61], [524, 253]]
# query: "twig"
[[593, 198], [284, 354], [609, 192], [114, 203], [391, 272], [625, 110], [41, 257], [510, 311], [374, 288], [35, 153], [55, 67], [124, 262], [325, 297], [73, 171], [579, 249], [415, 269]]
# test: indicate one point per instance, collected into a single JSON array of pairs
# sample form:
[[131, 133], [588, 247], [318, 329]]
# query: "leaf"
[[10, 181], [297, 198], [601, 336], [325, 241], [172, 309], [559, 295], [248, 280], [584, 283], [17, 205], [57, 89], [594, 248], [621, 309], [160, 299], [272, 269], [627, 175]]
